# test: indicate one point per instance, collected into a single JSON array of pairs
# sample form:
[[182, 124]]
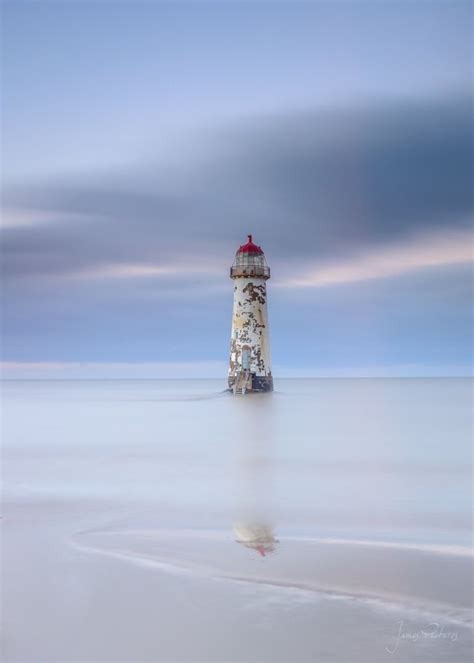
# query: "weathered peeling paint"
[[250, 328]]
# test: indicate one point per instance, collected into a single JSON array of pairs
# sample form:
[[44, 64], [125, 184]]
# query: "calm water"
[[169, 520]]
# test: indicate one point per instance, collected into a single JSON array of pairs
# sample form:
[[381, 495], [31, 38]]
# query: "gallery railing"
[[257, 272]]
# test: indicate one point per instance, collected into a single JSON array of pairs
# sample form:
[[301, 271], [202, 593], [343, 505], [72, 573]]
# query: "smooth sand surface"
[[154, 521], [393, 575], [109, 592]]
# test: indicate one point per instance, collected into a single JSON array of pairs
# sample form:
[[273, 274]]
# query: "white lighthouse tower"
[[250, 361]]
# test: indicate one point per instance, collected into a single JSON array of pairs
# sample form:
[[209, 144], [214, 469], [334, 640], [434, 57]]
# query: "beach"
[[171, 521]]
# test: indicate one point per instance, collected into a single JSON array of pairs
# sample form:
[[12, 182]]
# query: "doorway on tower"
[[246, 350]]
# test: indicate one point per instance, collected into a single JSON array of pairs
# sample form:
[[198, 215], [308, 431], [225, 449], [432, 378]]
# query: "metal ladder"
[[242, 382]]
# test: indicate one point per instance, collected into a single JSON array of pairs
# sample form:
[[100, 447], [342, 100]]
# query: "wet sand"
[[114, 593], [389, 574], [138, 527]]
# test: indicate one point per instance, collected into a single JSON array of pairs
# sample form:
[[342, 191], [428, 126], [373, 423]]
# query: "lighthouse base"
[[262, 383], [256, 383]]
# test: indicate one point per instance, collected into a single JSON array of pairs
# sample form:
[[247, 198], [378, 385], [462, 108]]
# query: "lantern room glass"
[[248, 263]]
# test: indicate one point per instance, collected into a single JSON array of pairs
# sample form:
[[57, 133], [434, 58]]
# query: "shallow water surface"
[[172, 521]]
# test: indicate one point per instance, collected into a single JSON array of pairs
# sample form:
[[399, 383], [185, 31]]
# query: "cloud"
[[134, 264], [322, 184], [127, 271], [30, 217], [111, 370], [446, 248]]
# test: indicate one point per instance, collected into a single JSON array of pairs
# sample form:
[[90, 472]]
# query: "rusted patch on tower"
[[255, 292]]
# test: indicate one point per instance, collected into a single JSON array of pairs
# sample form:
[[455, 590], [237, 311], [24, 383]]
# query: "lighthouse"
[[250, 361]]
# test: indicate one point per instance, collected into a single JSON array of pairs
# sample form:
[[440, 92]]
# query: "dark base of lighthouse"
[[260, 383]]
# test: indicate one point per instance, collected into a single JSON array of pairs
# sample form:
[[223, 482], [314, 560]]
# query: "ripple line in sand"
[[427, 610]]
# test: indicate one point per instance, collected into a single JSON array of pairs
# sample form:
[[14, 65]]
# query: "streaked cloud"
[[27, 217], [451, 248], [145, 271], [69, 370], [316, 185], [375, 200]]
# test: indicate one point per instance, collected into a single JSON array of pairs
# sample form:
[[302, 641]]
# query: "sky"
[[143, 141]]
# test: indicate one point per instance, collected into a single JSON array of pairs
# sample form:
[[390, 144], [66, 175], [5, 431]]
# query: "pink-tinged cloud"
[[126, 270], [421, 252], [68, 370], [26, 217]]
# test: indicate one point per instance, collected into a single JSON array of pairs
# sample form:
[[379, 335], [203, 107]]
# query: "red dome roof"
[[250, 247]]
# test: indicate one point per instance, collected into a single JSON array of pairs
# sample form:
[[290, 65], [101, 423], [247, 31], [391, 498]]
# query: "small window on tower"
[[246, 358]]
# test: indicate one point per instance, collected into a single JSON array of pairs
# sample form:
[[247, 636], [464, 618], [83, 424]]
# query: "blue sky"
[[142, 141]]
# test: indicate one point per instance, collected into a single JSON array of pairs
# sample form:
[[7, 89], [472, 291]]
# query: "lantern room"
[[250, 261]]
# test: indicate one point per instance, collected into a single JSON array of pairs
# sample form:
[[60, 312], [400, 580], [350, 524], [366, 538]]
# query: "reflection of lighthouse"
[[250, 363], [254, 510], [257, 535]]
